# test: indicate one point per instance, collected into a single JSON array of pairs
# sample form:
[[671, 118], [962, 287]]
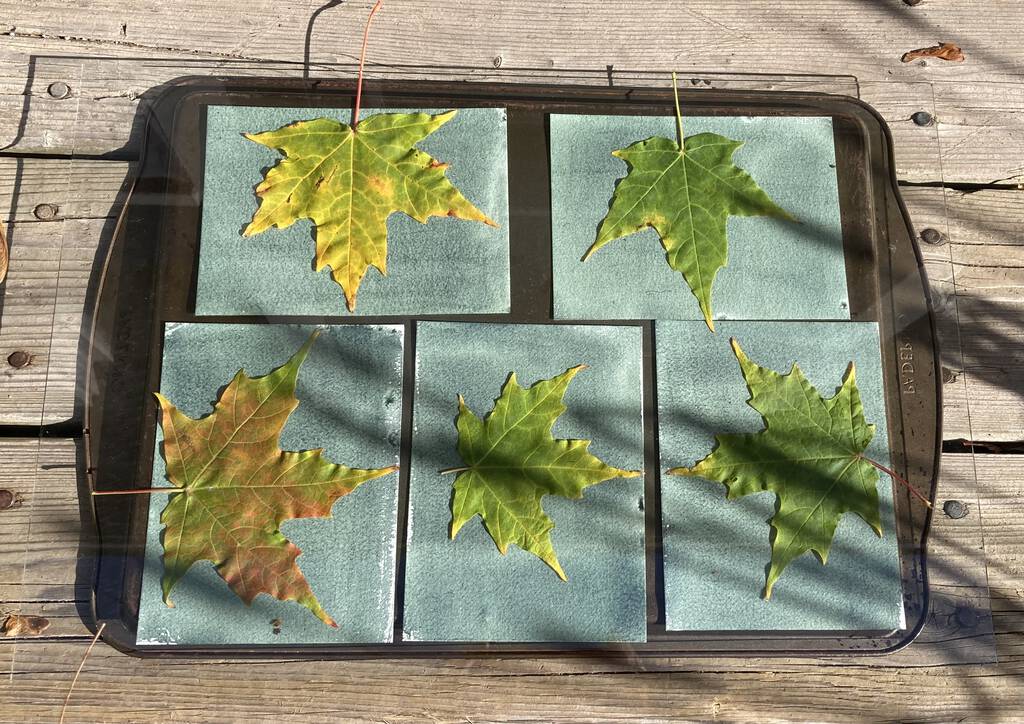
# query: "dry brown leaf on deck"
[[4, 256], [17, 625], [946, 51]]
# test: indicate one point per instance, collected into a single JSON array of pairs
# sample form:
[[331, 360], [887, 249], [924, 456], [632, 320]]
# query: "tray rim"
[[117, 634]]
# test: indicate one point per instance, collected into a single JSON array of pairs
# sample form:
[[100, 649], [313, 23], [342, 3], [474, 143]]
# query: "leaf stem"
[[679, 116], [138, 491], [362, 60], [451, 471], [902, 481], [71, 689]]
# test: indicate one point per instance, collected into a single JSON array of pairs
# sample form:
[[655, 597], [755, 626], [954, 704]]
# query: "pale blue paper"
[[446, 266], [464, 590], [776, 269], [350, 401], [717, 550]]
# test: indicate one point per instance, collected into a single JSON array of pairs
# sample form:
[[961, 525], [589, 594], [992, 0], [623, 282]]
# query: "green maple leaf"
[[237, 487], [686, 194], [513, 461], [348, 182], [810, 454]]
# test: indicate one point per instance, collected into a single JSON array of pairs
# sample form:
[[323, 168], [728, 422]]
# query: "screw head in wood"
[[933, 237], [955, 509], [911, 2], [19, 359], [497, 61], [923, 118], [948, 376], [45, 212], [59, 90]]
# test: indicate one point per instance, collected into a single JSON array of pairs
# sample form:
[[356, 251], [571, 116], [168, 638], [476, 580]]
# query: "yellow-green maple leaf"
[[349, 181], [513, 461]]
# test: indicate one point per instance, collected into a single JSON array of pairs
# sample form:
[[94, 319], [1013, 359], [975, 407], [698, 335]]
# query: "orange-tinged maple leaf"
[[238, 486]]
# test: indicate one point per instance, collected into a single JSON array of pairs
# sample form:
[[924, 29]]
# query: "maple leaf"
[[686, 194], [348, 182], [237, 487], [810, 454], [513, 461]]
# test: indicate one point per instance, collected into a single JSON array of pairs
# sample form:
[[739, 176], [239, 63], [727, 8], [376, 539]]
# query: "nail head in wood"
[[19, 359], [933, 237], [497, 61], [923, 118], [59, 90], [948, 376], [955, 509], [912, 2], [45, 212]]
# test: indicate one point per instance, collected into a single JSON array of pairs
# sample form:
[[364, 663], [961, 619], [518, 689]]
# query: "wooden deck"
[[63, 168]]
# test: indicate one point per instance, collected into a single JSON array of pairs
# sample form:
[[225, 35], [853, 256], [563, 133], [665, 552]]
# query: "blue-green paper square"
[[350, 400], [776, 269], [464, 590], [716, 550], [446, 266]]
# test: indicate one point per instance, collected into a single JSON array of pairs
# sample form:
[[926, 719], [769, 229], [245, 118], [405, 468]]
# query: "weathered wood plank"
[[19, 462], [115, 688], [993, 345], [977, 127], [981, 301], [967, 144], [835, 36], [977, 278], [973, 129], [1007, 610], [1001, 490], [26, 320], [43, 300], [39, 541], [81, 189], [983, 218], [50, 272]]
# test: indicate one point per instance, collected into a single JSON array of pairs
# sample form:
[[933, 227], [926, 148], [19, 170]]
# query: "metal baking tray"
[[149, 278]]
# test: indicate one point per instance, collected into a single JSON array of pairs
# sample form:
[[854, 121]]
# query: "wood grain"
[[977, 278], [865, 39], [39, 541], [112, 53], [52, 267], [101, 114], [115, 688]]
